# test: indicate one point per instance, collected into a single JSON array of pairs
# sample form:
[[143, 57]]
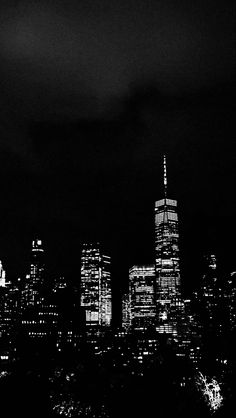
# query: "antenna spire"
[[165, 176]]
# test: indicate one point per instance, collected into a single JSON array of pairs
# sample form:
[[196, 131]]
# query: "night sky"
[[92, 94]]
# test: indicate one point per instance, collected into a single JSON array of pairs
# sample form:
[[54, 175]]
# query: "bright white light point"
[[211, 392]]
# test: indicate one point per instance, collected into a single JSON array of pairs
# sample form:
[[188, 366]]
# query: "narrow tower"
[[34, 280], [167, 260]]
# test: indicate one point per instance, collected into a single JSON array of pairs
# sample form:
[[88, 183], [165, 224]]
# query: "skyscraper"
[[9, 318], [96, 296], [167, 261], [212, 309], [35, 280], [141, 288], [210, 299], [126, 311], [2, 276], [230, 299]]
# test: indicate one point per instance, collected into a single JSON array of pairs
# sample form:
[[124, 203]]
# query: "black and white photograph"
[[117, 208]]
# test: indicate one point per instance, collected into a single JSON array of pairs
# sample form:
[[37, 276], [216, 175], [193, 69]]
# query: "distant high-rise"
[[126, 311], [212, 307], [167, 260], [96, 297], [2, 276], [9, 317], [141, 287], [210, 298], [230, 299], [34, 280], [41, 320]]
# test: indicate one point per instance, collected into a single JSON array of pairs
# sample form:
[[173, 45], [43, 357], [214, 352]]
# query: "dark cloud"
[[54, 52]]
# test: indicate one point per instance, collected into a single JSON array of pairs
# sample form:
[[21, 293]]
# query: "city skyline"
[[99, 298], [124, 263], [117, 208], [158, 323]]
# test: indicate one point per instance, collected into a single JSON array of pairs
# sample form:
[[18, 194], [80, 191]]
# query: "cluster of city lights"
[[211, 391], [67, 409], [72, 408]]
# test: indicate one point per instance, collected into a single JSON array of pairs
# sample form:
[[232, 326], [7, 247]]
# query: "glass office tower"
[[141, 287], [96, 297]]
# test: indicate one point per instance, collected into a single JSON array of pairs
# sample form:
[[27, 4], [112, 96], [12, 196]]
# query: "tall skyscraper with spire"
[[167, 261]]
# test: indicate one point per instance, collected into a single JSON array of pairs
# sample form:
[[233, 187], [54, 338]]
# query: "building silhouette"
[[212, 311], [96, 295], [210, 301]]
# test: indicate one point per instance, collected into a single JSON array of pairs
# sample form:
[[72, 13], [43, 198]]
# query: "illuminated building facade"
[[167, 261], [2, 299], [41, 321], [212, 309], [190, 336], [96, 296], [9, 320], [230, 300], [126, 311], [209, 299], [2, 276], [35, 280], [141, 288], [3, 295]]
